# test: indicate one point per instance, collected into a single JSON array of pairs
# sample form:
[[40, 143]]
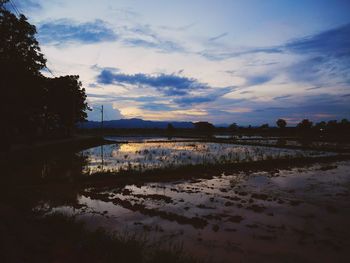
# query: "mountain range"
[[134, 123]]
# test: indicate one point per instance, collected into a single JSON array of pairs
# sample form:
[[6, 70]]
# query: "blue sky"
[[223, 61]]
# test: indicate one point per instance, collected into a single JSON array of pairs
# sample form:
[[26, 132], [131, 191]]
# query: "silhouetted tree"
[[281, 123], [21, 80], [264, 126], [321, 125], [30, 101], [170, 127], [203, 126], [233, 127], [66, 102], [305, 124], [344, 122], [332, 125], [344, 125]]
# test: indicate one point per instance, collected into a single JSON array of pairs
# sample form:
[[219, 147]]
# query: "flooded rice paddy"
[[295, 213], [140, 156], [301, 143]]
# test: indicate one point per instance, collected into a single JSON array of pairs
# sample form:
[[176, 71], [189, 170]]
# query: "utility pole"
[[101, 120], [102, 157], [102, 117]]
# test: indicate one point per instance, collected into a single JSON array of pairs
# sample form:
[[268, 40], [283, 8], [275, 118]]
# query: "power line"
[[17, 11], [49, 70], [13, 5], [16, 6]]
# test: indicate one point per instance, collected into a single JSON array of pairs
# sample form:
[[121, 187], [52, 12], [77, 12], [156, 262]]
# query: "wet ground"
[[292, 142], [141, 156], [297, 215], [288, 214]]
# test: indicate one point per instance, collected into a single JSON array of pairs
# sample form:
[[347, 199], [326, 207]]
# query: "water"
[[284, 142], [302, 212], [155, 155], [247, 216], [145, 138]]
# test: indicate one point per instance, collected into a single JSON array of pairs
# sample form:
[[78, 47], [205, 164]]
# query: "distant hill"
[[134, 124]]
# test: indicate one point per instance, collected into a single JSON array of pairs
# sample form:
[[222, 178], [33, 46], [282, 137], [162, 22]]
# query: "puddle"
[[154, 155], [262, 216]]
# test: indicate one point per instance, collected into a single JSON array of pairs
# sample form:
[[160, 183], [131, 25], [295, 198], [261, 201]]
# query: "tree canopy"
[[31, 103], [281, 123], [203, 126], [305, 124]]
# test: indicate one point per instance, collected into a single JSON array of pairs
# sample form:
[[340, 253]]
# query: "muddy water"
[[145, 138], [299, 143], [297, 215], [141, 156]]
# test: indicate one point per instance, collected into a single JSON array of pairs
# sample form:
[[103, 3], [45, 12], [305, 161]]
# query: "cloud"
[[24, 5], [334, 42], [145, 36], [163, 45], [208, 97], [168, 84], [156, 107], [321, 70], [282, 97], [187, 101], [314, 88], [111, 97], [239, 110], [109, 112], [175, 92], [257, 80], [180, 28], [311, 106], [215, 55], [271, 109], [150, 37], [65, 30], [326, 52], [246, 92], [319, 60], [326, 57], [218, 36]]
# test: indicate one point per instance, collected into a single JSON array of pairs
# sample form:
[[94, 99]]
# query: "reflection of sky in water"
[[143, 156], [219, 199], [144, 138], [281, 142]]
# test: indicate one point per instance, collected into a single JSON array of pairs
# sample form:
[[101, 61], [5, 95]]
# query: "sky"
[[222, 61]]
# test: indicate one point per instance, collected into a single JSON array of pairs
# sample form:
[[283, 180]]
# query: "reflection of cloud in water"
[[151, 155], [256, 211]]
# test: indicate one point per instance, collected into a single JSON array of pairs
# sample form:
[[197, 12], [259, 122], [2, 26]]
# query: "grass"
[[149, 156], [58, 238], [188, 172]]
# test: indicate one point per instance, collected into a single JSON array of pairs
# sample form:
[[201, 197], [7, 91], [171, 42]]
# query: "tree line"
[[281, 123], [33, 105], [303, 128]]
